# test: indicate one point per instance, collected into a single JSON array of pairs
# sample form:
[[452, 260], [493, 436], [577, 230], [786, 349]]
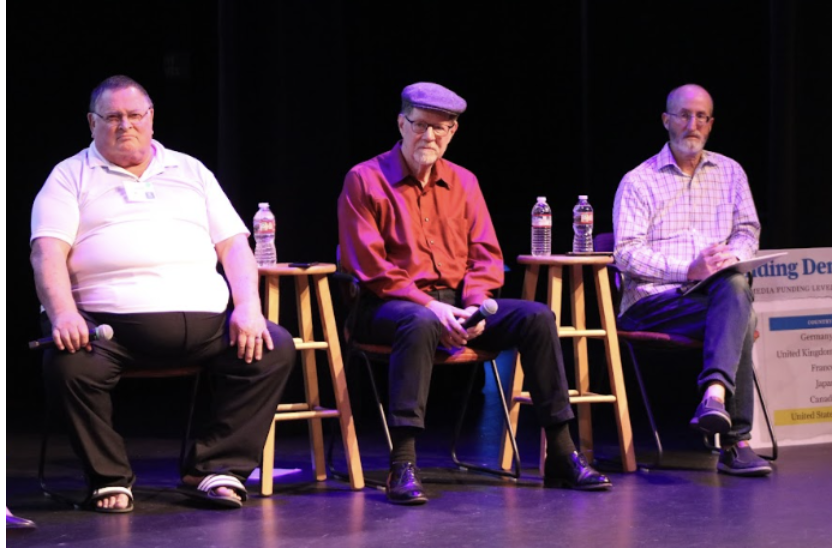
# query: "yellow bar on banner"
[[786, 417]]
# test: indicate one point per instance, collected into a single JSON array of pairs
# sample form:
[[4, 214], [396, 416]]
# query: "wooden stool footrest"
[[310, 345], [568, 331], [574, 397]]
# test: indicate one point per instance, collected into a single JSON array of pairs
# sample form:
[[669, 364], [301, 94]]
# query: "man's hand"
[[712, 259], [70, 332], [247, 330], [455, 335]]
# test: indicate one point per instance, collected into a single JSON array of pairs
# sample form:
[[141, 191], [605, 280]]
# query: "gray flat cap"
[[434, 97]]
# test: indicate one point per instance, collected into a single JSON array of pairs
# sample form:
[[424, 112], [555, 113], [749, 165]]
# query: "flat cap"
[[432, 96]]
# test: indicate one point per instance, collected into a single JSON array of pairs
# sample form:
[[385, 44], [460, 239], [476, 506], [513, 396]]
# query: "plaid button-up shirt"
[[663, 219]]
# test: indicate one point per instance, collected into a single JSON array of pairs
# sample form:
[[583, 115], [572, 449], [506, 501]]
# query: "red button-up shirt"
[[402, 240]]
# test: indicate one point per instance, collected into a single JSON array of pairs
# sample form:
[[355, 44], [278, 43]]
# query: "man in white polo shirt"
[[128, 233]]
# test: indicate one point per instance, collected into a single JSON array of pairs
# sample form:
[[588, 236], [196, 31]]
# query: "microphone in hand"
[[102, 332], [486, 309]]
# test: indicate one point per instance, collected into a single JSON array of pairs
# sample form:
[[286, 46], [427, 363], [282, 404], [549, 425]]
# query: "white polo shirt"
[[139, 244]]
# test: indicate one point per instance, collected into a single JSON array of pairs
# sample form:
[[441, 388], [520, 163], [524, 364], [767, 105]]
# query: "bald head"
[[688, 91]]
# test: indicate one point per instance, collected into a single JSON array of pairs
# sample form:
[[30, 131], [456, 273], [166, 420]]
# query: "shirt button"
[[431, 242], [438, 264], [426, 219]]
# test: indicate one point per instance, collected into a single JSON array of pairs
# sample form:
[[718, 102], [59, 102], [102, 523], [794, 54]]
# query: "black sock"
[[404, 444], [559, 440]]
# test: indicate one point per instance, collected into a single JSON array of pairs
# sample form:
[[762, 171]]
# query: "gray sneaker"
[[711, 417], [742, 461]]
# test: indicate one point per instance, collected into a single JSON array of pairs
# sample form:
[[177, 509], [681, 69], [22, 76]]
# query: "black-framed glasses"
[[114, 119], [686, 117], [421, 127]]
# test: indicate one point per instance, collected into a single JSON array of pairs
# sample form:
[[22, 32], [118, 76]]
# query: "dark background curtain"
[[280, 99]]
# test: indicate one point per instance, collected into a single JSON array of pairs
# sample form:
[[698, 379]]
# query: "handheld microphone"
[[103, 332], [487, 308]]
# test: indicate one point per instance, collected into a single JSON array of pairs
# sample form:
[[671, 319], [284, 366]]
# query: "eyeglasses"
[[421, 127], [114, 119], [701, 117]]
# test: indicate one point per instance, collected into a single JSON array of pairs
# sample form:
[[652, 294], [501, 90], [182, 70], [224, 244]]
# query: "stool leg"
[[267, 467], [339, 384]]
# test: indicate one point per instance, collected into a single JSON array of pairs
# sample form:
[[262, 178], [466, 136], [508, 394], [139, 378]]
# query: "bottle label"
[[264, 227], [584, 218], [541, 221]]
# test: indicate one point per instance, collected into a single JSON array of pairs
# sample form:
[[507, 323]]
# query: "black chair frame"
[[370, 354]]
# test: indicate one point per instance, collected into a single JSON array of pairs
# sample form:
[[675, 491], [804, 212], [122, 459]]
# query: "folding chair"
[[634, 340], [371, 353]]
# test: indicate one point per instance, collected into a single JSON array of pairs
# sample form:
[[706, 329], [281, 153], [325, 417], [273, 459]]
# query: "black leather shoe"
[[573, 472], [404, 485]]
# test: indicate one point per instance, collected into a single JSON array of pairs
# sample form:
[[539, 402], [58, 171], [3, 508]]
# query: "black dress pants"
[[414, 331], [244, 396]]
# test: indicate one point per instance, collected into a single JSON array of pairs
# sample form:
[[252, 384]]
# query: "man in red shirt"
[[415, 230]]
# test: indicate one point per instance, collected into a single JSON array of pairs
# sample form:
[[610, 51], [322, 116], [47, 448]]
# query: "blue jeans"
[[414, 331], [720, 314]]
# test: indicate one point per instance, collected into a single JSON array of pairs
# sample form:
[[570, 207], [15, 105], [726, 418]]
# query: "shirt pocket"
[[724, 220]]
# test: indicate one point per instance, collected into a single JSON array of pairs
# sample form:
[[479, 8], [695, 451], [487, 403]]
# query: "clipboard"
[[743, 267]]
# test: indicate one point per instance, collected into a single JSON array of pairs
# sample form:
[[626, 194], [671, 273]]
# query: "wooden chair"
[[371, 353], [145, 373], [634, 340]]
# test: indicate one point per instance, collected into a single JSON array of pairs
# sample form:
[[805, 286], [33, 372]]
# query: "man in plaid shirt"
[[680, 216]]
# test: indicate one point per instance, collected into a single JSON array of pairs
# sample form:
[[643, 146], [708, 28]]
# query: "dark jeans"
[[720, 314], [414, 331], [243, 396]]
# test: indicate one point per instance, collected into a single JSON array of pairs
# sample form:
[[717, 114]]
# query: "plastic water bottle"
[[541, 228], [264, 250], [582, 221]]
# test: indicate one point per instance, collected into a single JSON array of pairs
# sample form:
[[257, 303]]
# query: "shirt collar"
[[666, 159], [441, 174], [160, 157]]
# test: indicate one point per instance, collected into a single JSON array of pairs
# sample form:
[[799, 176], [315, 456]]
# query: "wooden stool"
[[581, 396], [311, 409]]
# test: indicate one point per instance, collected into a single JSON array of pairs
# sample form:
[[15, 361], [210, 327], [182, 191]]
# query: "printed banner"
[[793, 356]]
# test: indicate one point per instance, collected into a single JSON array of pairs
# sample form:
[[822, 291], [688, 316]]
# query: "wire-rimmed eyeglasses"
[[114, 119], [421, 127], [686, 117]]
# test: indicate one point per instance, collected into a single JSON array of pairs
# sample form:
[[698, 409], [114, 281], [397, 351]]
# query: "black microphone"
[[487, 308], [103, 332]]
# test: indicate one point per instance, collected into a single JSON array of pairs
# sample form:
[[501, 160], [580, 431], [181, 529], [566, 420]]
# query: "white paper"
[[743, 266]]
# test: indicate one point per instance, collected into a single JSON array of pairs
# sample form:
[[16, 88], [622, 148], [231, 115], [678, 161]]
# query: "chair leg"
[[769, 424], [42, 464], [189, 424], [647, 408], [458, 429]]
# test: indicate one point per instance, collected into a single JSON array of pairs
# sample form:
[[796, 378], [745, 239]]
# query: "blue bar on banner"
[[789, 323]]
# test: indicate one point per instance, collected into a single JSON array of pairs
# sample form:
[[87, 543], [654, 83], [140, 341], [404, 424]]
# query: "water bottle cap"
[[263, 204], [583, 197], [541, 198]]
